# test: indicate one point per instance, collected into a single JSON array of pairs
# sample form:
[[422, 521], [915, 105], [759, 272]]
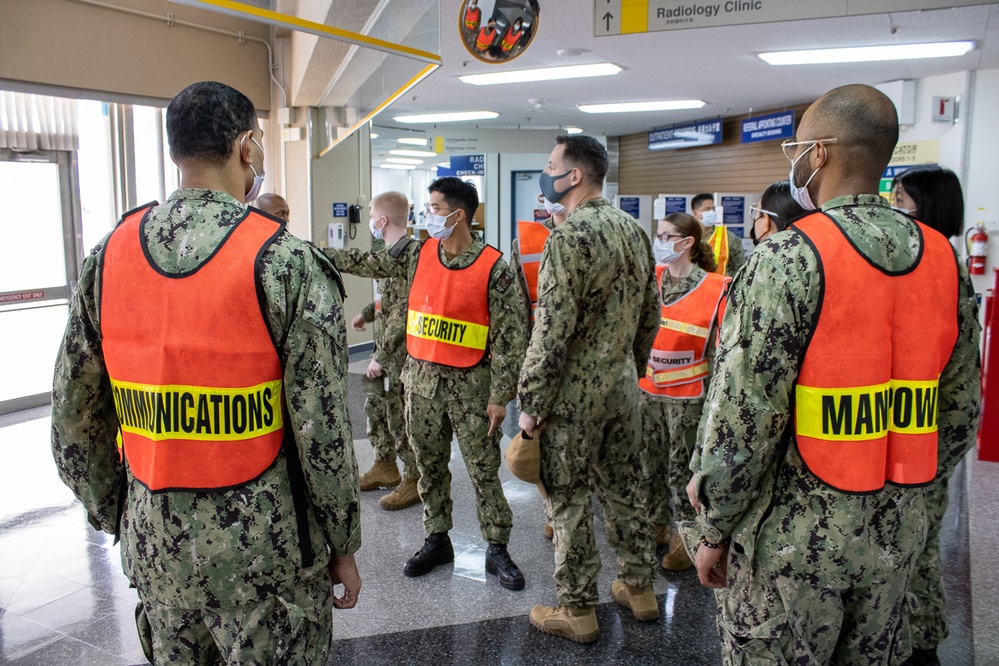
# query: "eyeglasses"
[[665, 237], [761, 212], [794, 144], [437, 210]]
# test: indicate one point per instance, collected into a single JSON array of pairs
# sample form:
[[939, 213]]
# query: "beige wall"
[[344, 174], [76, 45]]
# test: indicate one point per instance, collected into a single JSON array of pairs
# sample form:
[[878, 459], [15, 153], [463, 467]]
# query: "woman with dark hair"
[[777, 208], [692, 299], [932, 195]]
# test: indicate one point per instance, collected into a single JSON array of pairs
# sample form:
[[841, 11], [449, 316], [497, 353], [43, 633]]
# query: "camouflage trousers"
[[579, 458], [386, 422], [669, 428], [927, 610], [432, 422], [296, 628], [766, 618]]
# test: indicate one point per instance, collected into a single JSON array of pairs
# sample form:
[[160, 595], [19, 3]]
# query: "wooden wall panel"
[[730, 166]]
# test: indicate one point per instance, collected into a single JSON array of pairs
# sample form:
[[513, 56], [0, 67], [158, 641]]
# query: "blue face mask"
[[548, 186]]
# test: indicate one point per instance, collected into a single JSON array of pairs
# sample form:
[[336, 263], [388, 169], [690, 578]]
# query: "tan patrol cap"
[[523, 455]]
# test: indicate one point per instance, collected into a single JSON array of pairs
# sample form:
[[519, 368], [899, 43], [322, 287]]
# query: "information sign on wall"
[[690, 135], [769, 127]]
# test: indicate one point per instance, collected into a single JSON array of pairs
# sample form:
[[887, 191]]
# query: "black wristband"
[[708, 544]]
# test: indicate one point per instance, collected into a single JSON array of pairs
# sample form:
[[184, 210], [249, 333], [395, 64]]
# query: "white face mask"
[[375, 231], [800, 194], [437, 225], [907, 211], [554, 208], [665, 251], [258, 180], [709, 218]]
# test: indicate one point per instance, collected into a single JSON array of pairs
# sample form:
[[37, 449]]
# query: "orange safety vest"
[[485, 38], [510, 39], [472, 18], [719, 247], [448, 319], [678, 364], [531, 236], [195, 373], [866, 400]]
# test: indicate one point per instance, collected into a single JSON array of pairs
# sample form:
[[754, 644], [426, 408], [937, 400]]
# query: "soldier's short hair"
[[586, 154], [696, 201], [457, 194], [204, 119]]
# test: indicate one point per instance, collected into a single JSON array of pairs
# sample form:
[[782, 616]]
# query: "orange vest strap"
[[866, 398]]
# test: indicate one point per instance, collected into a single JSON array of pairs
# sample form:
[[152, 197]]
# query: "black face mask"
[[752, 232]]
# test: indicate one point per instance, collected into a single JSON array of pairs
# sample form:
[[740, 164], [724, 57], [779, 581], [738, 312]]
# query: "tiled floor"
[[64, 600]]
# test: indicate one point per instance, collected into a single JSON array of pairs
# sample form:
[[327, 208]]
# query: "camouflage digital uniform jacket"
[[590, 337], [758, 492], [497, 374], [390, 325], [197, 549]]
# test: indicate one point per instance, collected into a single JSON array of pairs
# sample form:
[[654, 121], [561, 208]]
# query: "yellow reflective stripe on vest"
[[451, 331], [694, 371], [867, 412], [202, 413], [682, 327]]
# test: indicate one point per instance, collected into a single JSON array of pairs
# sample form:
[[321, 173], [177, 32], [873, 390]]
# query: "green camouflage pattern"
[[736, 254], [927, 610], [759, 493], [295, 627], [385, 413], [228, 548], [597, 315], [442, 400]]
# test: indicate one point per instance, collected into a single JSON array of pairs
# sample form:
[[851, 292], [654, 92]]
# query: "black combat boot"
[[498, 562], [923, 658], [436, 550]]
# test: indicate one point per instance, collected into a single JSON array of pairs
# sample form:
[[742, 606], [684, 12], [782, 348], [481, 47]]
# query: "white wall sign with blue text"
[[772, 126], [690, 135]]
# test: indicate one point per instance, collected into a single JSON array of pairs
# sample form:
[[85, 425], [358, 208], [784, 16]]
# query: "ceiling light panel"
[[632, 107], [868, 53], [403, 160], [542, 74], [412, 153], [412, 141], [447, 117]]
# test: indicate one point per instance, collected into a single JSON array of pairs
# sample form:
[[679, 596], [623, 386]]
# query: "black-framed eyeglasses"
[[665, 237]]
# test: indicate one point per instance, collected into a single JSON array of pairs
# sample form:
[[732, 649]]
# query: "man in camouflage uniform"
[[245, 573], [814, 574], [384, 404], [597, 315], [702, 206], [442, 400]]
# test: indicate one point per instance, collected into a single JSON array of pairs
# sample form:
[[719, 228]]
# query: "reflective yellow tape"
[[867, 412], [451, 331], [202, 413], [689, 329], [660, 377]]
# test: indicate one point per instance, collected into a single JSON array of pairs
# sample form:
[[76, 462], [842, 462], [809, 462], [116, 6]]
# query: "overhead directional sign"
[[623, 17]]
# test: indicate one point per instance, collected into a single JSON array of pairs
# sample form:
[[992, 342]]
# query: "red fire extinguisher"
[[978, 248]]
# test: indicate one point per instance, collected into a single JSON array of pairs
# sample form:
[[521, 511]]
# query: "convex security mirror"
[[497, 30]]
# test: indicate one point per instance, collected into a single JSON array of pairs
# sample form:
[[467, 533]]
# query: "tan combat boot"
[[677, 558], [403, 496], [641, 600], [383, 474], [662, 535], [576, 624], [549, 531]]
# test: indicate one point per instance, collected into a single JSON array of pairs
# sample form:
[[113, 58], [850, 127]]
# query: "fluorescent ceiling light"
[[373, 135], [629, 107], [397, 166], [542, 74], [445, 165], [412, 141], [447, 117], [573, 130], [403, 160], [868, 53], [412, 153]]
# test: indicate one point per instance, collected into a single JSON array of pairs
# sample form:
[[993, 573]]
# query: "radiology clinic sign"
[[622, 17]]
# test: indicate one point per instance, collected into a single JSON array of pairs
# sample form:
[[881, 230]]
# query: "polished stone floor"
[[64, 600]]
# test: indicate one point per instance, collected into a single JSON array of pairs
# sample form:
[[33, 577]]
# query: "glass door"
[[38, 267]]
